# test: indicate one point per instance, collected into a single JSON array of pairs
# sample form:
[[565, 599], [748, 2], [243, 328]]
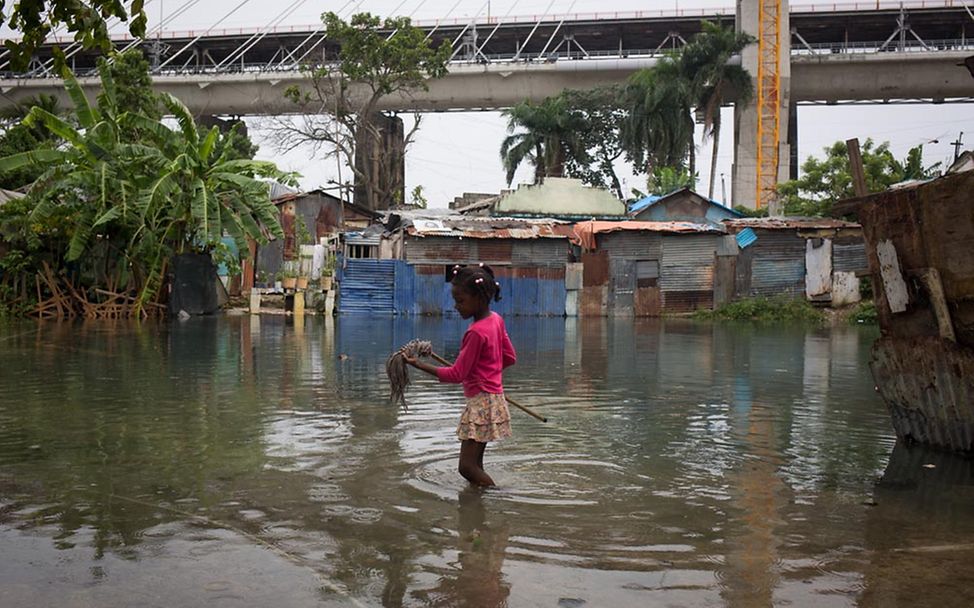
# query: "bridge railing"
[[798, 49], [694, 13], [911, 46]]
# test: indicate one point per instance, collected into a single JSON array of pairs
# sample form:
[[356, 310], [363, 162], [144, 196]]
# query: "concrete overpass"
[[858, 52], [825, 78]]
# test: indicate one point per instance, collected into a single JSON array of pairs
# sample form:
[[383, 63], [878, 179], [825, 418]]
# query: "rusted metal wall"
[[777, 265], [928, 386], [525, 291], [631, 245], [516, 252], [595, 268], [622, 287], [443, 250], [687, 272], [930, 226], [540, 252], [849, 255]]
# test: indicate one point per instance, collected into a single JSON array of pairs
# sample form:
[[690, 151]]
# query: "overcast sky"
[[458, 151]]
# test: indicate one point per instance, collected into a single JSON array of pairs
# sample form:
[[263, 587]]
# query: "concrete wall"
[[561, 197]]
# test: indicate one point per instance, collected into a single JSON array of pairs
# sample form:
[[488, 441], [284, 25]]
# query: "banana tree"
[[138, 191]]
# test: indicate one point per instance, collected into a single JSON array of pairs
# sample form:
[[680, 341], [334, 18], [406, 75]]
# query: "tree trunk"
[[713, 162], [693, 166]]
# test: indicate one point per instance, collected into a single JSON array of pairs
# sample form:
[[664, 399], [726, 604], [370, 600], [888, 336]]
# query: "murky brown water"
[[249, 462]]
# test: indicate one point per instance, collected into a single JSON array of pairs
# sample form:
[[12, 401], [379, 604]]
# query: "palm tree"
[[659, 129], [549, 138], [703, 62]]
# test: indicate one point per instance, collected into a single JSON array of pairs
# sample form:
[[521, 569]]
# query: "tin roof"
[[487, 227], [787, 223], [648, 201], [584, 232]]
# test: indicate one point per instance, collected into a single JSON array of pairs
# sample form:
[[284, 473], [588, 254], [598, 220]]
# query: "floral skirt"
[[486, 418]]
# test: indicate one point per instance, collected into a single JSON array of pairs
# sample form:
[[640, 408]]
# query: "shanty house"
[[320, 214], [683, 205], [648, 268], [528, 257], [821, 259]]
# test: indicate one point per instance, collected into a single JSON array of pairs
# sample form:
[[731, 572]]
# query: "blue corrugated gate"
[[368, 287]]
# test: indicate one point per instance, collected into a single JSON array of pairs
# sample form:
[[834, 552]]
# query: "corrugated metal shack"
[[648, 268], [819, 258], [528, 257], [322, 214]]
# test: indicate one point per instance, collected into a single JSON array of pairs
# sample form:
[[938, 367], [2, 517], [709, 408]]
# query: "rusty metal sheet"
[[928, 386], [495, 251], [688, 263], [687, 301], [725, 274], [787, 223], [595, 268], [622, 287], [632, 245], [444, 250], [287, 225], [648, 302], [594, 300]]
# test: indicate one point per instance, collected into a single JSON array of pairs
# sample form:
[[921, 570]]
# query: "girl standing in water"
[[484, 353]]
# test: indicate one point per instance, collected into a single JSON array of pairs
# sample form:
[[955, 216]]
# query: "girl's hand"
[[409, 360]]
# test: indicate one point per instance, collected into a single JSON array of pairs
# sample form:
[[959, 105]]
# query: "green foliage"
[[86, 19], [418, 200], [825, 181], [660, 124], [124, 192], [378, 63], [601, 115], [17, 137], [386, 63], [865, 314], [549, 133], [664, 180], [133, 85], [659, 129], [748, 212], [764, 310]]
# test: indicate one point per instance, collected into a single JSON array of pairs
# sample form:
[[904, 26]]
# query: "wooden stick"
[[526, 410]]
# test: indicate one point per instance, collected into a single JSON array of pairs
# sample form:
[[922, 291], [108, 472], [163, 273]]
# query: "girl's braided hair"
[[477, 280]]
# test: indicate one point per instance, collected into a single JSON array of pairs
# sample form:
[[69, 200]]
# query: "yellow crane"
[[769, 99]]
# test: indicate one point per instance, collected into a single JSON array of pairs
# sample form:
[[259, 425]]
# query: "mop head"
[[397, 372]]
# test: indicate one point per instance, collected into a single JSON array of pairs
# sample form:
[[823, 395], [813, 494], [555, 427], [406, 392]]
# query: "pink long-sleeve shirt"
[[484, 353]]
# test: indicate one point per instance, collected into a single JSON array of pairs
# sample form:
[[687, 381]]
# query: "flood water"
[[252, 462]]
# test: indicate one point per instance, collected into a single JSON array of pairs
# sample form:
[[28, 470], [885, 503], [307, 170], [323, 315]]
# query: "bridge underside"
[[819, 78]]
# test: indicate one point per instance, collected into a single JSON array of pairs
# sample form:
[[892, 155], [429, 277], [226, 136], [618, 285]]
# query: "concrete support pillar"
[[793, 160], [744, 174]]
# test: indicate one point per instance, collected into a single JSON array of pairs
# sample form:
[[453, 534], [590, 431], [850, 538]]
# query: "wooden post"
[[855, 165]]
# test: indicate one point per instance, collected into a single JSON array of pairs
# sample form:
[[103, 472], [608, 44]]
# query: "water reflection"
[[686, 463]]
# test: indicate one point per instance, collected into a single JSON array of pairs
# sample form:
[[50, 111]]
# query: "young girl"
[[484, 353]]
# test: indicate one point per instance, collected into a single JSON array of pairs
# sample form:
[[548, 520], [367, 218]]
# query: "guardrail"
[[698, 13], [932, 46]]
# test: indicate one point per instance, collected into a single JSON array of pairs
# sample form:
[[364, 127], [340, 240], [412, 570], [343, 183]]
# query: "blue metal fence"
[[395, 287]]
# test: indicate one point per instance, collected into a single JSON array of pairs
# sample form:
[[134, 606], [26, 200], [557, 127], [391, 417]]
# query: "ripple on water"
[[569, 481]]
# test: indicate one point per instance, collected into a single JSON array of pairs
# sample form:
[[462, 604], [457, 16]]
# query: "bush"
[[865, 314], [765, 309]]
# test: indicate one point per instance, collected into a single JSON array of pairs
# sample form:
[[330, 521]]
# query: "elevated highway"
[[816, 78], [873, 51]]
